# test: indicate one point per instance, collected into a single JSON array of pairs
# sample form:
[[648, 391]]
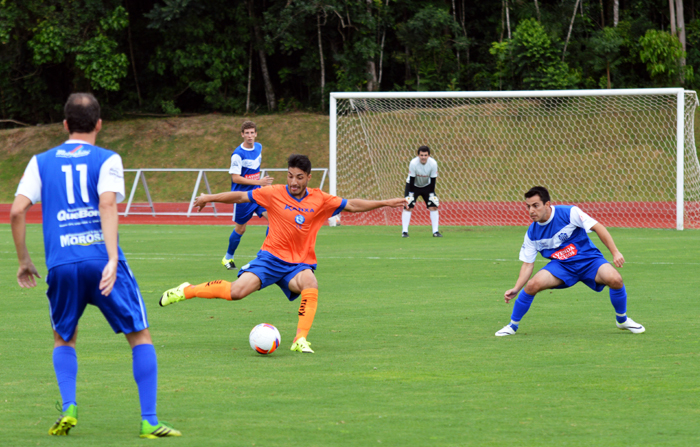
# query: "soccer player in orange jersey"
[[287, 257]]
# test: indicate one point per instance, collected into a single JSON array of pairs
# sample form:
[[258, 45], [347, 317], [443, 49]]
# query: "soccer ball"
[[264, 338]]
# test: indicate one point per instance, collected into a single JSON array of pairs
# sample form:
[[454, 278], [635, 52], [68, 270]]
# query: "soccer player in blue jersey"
[[79, 185], [559, 233], [245, 176]]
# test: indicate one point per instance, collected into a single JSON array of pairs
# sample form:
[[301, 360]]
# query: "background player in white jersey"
[[246, 160], [79, 185], [559, 233], [422, 177]]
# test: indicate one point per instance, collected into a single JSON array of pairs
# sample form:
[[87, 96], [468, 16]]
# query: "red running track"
[[612, 214]]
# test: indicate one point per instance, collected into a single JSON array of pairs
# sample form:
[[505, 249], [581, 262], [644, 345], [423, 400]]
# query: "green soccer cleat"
[[173, 295], [301, 345], [162, 430], [68, 420], [228, 263]]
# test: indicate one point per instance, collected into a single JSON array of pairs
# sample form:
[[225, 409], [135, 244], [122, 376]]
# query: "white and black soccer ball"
[[265, 338]]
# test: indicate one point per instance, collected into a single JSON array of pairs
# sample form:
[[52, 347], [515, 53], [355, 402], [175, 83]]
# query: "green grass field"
[[405, 351]]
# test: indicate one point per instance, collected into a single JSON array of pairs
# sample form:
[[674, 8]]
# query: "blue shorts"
[[584, 270], [272, 270], [243, 212], [73, 286]]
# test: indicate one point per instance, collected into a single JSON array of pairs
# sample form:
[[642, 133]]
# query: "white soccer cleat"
[[631, 326], [507, 330]]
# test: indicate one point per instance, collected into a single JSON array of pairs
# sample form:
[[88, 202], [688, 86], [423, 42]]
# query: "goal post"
[[625, 156]]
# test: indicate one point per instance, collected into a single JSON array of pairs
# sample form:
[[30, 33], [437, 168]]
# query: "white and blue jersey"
[[563, 237], [246, 163], [69, 180], [73, 175], [564, 240]]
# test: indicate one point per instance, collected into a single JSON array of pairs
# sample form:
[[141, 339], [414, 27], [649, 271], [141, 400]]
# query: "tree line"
[[260, 56]]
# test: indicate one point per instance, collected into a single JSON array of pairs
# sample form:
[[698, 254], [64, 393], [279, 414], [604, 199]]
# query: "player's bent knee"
[[616, 282], [531, 289], [142, 337], [308, 282], [237, 294], [304, 280], [534, 286]]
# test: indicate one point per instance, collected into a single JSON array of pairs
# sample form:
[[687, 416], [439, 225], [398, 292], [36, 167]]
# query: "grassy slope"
[[195, 142]]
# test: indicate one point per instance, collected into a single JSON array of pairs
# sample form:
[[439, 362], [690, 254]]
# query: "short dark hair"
[[300, 162], [82, 112], [248, 125], [423, 149], [538, 191]]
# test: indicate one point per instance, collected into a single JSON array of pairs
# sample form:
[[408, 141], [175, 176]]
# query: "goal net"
[[626, 157]]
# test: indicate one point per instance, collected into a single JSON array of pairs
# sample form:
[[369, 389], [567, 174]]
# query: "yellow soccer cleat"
[[228, 263], [173, 295], [301, 345], [162, 430], [68, 420]]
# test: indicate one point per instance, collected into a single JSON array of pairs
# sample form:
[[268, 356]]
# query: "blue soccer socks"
[[145, 366], [618, 298], [521, 306], [65, 364], [233, 242]]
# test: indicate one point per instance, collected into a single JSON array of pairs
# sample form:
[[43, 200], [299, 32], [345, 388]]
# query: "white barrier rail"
[[201, 174]]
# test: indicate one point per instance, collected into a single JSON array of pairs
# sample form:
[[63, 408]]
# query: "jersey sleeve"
[[528, 252], [112, 177], [236, 164], [262, 196], [333, 205], [30, 184], [581, 219], [411, 169], [435, 169]]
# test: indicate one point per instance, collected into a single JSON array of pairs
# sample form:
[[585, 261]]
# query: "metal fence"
[[201, 175]]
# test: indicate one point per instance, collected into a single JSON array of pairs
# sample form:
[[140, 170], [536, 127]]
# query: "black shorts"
[[420, 192]]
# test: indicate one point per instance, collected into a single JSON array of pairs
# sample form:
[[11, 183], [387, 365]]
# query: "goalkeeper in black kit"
[[422, 177]]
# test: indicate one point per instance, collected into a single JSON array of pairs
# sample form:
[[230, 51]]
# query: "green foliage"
[[433, 38], [201, 51], [531, 60], [606, 46], [169, 108], [196, 54], [93, 53], [662, 53]]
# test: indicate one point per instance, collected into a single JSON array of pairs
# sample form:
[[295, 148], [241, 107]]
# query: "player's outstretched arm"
[[607, 239], [361, 205], [222, 197], [18, 221], [525, 273]]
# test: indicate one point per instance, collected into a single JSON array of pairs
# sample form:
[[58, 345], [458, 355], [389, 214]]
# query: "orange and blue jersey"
[[294, 223]]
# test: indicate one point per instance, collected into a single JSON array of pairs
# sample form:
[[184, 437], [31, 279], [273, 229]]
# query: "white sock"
[[435, 219], [405, 220]]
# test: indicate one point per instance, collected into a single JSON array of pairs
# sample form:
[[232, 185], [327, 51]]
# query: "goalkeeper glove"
[[410, 200], [433, 198]]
